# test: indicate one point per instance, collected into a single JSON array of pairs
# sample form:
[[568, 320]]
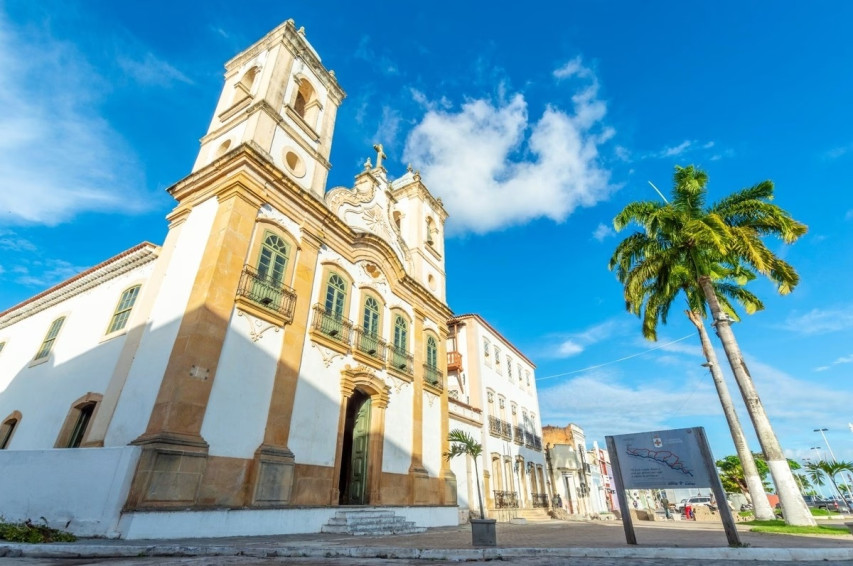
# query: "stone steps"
[[370, 522]]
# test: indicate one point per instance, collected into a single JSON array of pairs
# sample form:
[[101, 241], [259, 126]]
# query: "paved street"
[[597, 543]]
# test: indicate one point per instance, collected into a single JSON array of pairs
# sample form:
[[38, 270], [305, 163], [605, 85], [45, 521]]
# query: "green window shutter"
[[122, 312], [371, 317], [52, 333], [335, 294], [401, 331], [432, 352]]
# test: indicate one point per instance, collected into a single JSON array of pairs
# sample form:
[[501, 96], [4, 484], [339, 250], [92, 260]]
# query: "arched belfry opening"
[[361, 434]]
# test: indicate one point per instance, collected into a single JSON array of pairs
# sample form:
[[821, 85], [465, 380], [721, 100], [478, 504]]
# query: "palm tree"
[[822, 468], [714, 250], [652, 299], [462, 443]]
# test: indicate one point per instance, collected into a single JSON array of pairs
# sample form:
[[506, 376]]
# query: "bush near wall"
[[29, 532]]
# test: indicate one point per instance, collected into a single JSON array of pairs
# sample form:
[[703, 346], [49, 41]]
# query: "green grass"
[[779, 526], [31, 533]]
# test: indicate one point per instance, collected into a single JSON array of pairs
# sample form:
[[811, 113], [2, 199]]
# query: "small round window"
[[294, 163]]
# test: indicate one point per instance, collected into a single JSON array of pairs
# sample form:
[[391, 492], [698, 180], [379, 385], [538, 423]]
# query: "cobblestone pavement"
[[249, 561]]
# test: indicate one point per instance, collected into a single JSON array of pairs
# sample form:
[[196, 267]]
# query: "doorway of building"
[[354, 453]]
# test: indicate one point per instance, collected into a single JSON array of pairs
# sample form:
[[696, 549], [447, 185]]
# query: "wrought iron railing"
[[506, 500], [518, 434], [333, 326], [267, 292], [370, 344], [537, 443], [528, 439], [433, 376], [454, 361], [506, 430], [401, 360], [539, 499], [495, 426]]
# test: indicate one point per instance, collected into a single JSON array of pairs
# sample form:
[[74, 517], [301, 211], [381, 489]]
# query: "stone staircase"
[[533, 514], [370, 522]]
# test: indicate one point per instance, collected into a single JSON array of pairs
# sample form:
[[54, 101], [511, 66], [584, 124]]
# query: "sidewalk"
[[604, 539]]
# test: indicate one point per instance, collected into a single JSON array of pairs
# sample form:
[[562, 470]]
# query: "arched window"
[[77, 422], [305, 96], [272, 260], [122, 312], [7, 429], [401, 333], [336, 292], [49, 339], [81, 425], [432, 352], [371, 317]]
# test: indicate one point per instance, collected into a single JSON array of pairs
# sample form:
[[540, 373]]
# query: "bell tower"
[[281, 100]]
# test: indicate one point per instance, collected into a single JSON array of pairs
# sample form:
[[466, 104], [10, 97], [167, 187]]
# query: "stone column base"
[[169, 472], [272, 476]]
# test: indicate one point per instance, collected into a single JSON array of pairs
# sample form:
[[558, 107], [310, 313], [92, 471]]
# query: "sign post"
[[666, 459]]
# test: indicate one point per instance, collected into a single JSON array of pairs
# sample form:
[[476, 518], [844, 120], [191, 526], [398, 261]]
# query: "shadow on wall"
[[231, 425]]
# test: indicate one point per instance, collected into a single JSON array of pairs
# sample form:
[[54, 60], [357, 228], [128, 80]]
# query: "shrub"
[[29, 532]]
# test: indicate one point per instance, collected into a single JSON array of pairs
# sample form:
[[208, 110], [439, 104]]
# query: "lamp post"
[[825, 441], [817, 453]]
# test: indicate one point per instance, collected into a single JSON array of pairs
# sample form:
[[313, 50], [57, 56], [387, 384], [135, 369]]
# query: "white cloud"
[[574, 67], [821, 321], [844, 360], [151, 71], [568, 348], [603, 231], [839, 151], [676, 150], [58, 157], [381, 63], [388, 129], [495, 168]]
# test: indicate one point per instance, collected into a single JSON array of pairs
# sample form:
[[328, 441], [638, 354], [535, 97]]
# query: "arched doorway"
[[355, 451]]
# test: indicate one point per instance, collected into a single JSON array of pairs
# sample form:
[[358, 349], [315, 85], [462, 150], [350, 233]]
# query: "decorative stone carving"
[[327, 354], [257, 327], [430, 397], [266, 211]]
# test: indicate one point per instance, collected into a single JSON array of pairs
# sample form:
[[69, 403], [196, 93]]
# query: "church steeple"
[[279, 98]]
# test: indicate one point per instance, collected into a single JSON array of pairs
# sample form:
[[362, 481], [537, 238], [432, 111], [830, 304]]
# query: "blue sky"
[[534, 123]]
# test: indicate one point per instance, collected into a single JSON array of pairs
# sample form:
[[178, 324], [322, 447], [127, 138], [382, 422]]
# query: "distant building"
[[492, 395], [570, 468], [280, 357]]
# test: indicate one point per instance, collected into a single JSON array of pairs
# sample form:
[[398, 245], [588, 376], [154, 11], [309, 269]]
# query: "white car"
[[694, 502]]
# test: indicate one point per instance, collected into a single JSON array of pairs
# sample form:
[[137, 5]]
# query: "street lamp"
[[817, 452], [828, 447]]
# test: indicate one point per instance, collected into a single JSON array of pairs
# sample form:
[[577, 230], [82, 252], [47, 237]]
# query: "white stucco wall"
[[47, 483], [81, 361], [143, 381], [397, 451], [432, 433], [239, 402]]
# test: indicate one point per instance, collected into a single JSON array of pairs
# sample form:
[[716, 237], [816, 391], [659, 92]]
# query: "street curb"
[[455, 555]]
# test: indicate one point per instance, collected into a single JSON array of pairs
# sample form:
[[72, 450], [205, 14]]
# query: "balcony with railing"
[[537, 443], [433, 376], [267, 293], [506, 500], [539, 500], [528, 439], [495, 426], [506, 430], [335, 327], [401, 360], [370, 344], [518, 434], [454, 361]]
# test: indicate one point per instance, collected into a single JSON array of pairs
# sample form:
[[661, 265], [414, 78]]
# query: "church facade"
[[280, 356]]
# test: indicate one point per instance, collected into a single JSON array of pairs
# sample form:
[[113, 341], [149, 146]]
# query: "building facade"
[[279, 356], [492, 396]]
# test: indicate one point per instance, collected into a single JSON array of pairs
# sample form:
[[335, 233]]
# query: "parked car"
[[694, 502], [837, 505]]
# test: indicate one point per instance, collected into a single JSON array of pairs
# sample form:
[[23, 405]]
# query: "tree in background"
[[821, 469], [685, 240], [462, 443]]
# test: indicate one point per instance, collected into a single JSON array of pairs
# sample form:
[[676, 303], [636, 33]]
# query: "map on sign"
[[661, 459]]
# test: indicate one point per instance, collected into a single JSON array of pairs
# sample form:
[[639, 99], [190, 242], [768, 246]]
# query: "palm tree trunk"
[[479, 495], [795, 508], [755, 487]]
